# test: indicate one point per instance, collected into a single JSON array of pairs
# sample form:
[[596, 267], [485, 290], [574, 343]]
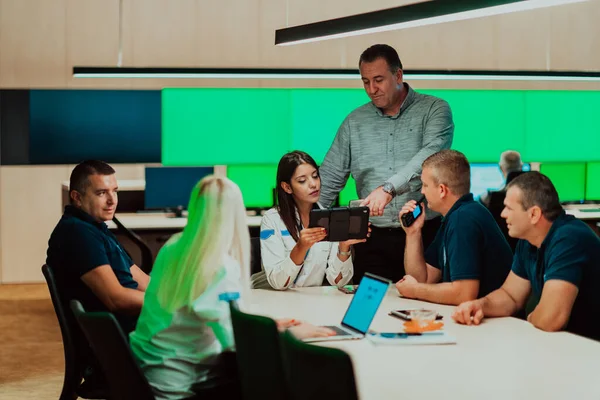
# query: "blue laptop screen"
[[365, 303]]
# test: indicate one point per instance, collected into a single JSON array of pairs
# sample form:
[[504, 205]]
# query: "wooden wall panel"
[[32, 38], [30, 207], [40, 41], [92, 37]]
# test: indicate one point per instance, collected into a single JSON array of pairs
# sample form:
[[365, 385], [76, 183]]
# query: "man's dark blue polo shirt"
[[570, 252], [79, 244], [470, 245]]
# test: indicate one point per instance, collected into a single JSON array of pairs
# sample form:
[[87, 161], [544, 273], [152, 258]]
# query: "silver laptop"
[[361, 311]]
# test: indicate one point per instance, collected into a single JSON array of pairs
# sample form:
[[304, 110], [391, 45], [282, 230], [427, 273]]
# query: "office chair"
[[258, 356], [315, 372], [73, 342], [496, 205], [125, 379], [147, 258]]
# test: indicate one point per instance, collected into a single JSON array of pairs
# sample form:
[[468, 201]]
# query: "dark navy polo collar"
[[467, 198], [78, 213], [562, 219]]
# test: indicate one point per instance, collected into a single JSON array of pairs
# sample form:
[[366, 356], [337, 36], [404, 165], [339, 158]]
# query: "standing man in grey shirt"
[[383, 144]]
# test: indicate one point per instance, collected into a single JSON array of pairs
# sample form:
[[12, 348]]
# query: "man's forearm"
[[440, 293], [414, 261], [499, 304], [129, 301]]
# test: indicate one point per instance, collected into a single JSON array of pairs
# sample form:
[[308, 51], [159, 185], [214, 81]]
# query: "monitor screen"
[[486, 177], [592, 181], [568, 179], [171, 187], [365, 303], [256, 183], [116, 126]]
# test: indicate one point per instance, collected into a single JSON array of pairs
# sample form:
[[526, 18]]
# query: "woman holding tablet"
[[292, 253]]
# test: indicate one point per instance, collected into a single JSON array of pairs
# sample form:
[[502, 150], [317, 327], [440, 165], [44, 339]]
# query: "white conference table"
[[503, 358]]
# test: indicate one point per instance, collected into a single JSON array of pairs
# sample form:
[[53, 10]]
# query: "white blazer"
[[321, 261]]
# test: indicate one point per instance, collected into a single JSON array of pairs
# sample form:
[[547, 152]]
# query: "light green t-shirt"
[[177, 350]]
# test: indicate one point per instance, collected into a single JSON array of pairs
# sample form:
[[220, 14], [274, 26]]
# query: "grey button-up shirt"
[[376, 148]]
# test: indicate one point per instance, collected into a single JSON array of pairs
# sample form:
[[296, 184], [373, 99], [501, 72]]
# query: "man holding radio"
[[469, 256]]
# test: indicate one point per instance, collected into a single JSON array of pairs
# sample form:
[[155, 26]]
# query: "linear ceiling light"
[[408, 16], [299, 73]]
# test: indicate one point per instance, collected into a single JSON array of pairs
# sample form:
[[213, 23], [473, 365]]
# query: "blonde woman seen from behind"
[[184, 327]]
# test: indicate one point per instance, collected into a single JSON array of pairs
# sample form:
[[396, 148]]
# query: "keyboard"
[[338, 331]]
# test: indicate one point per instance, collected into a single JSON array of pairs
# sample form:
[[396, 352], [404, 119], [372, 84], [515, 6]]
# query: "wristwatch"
[[389, 188]]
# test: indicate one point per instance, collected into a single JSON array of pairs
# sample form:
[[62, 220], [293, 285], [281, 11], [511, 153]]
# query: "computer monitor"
[[486, 177], [568, 179], [592, 182], [169, 188], [257, 183]]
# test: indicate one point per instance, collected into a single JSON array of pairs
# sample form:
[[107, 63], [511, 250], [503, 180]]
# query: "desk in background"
[[588, 213], [156, 228], [503, 358]]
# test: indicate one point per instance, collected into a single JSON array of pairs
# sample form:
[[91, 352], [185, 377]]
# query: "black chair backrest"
[[147, 257], [255, 260], [70, 337], [258, 356], [496, 205], [125, 378], [315, 372]]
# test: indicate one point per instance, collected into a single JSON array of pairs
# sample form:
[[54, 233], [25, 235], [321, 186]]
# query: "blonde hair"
[[216, 228]]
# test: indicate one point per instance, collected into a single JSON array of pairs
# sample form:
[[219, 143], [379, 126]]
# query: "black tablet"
[[341, 223]]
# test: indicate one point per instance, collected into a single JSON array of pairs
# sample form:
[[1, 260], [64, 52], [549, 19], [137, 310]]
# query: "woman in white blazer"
[[293, 254]]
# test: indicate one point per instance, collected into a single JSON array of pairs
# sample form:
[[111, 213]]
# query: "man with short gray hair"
[[469, 256]]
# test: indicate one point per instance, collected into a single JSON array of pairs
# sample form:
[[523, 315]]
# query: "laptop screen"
[[365, 303]]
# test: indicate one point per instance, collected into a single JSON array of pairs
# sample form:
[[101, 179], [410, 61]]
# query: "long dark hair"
[[285, 201]]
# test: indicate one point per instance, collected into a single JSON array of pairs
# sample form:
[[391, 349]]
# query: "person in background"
[[469, 257], [184, 329], [556, 262], [383, 144], [511, 166], [292, 253]]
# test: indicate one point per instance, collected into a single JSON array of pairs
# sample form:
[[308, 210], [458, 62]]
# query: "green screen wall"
[[257, 126], [592, 182], [568, 179], [250, 129], [256, 183]]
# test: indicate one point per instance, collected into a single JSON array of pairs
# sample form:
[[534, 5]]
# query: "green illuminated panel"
[[486, 122], [592, 185], [224, 126], [257, 126], [317, 114], [568, 179], [256, 183], [563, 126], [348, 193]]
